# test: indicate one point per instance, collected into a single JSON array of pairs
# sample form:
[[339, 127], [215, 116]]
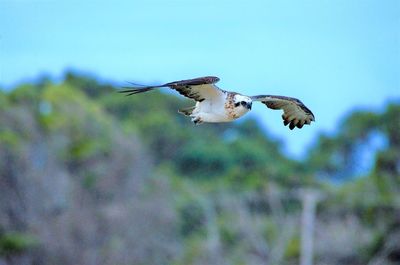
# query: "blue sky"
[[336, 56]]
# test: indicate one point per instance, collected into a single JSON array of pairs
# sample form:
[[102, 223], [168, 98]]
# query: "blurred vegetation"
[[88, 176], [15, 243]]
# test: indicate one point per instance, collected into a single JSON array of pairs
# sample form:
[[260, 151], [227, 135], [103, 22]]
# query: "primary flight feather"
[[216, 105]]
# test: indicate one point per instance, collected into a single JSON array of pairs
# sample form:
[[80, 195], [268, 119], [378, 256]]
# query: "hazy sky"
[[335, 56]]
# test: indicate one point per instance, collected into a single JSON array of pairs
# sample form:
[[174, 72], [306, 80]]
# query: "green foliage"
[[359, 125], [229, 236], [192, 218], [338, 156], [293, 248], [83, 126], [3, 100], [7, 137], [89, 85], [15, 243], [203, 159], [87, 125], [390, 124], [89, 181], [25, 94]]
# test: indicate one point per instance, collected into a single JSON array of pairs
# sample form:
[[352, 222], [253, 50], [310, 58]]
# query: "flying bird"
[[216, 105]]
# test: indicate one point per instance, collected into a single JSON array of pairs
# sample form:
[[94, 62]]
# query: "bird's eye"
[[244, 103]]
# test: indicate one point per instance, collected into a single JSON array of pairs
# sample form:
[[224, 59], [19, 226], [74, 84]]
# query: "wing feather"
[[295, 113], [197, 89]]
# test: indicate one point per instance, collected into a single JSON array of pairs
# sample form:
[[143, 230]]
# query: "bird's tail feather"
[[137, 88]]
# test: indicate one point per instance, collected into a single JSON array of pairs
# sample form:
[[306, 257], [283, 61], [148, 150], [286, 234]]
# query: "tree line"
[[90, 177]]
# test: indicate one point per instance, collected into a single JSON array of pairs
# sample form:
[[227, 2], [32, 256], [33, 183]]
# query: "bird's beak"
[[249, 105]]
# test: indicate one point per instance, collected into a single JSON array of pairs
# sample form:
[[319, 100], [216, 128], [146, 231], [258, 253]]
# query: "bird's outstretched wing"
[[295, 113], [197, 89]]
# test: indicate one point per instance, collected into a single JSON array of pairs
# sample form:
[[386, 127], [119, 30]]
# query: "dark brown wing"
[[197, 89], [295, 113]]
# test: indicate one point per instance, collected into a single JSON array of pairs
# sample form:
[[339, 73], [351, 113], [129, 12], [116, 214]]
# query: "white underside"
[[207, 111], [210, 117]]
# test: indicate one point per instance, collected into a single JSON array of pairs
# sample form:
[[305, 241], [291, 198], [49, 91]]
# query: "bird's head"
[[242, 102], [242, 105]]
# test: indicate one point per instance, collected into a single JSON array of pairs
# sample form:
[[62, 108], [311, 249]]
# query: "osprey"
[[216, 105]]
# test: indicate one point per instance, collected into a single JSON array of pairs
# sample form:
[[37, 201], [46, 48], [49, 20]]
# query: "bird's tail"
[[136, 89]]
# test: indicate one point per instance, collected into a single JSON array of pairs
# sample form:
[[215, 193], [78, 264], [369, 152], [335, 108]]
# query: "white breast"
[[212, 110]]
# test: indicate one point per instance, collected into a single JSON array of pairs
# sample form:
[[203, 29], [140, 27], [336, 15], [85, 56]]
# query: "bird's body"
[[217, 105], [219, 109]]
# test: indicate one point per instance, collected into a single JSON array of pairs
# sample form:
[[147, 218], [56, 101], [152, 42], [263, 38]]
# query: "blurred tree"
[[89, 85], [98, 178], [339, 157], [386, 171], [70, 177]]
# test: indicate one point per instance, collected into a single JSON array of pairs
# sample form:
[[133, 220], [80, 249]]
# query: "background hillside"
[[88, 176]]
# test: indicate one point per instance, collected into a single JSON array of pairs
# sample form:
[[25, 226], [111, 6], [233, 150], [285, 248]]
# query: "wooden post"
[[310, 199]]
